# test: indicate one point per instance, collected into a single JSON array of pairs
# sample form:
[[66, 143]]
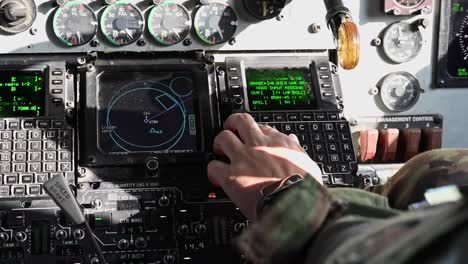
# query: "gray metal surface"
[[289, 32], [451, 103]]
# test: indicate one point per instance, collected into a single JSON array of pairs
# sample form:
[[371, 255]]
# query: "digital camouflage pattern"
[[426, 171], [286, 227]]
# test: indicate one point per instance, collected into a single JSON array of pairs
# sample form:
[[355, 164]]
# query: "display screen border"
[[196, 111], [309, 78], [45, 94], [91, 155]]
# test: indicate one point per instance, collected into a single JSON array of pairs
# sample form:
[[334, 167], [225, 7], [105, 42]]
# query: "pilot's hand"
[[259, 156]]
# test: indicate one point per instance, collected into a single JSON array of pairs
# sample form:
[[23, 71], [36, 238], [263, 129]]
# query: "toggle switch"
[[389, 144], [411, 140], [368, 140], [432, 138]]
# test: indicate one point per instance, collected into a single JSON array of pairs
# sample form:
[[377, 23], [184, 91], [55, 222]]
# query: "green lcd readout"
[[279, 89], [22, 93]]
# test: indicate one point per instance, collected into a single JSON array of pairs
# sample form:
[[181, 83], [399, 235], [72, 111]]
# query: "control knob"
[[200, 229], [238, 101], [183, 230], [96, 203], [164, 201], [140, 242], [20, 236], [239, 227], [17, 15], [79, 234], [169, 259], [4, 237], [152, 167], [123, 244], [61, 235]]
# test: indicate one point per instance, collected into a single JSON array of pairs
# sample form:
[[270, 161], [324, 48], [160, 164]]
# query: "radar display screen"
[[279, 89], [154, 114], [22, 93]]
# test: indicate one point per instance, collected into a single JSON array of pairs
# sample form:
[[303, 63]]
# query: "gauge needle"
[[218, 28], [78, 35], [400, 38], [176, 33], [265, 8], [129, 33]]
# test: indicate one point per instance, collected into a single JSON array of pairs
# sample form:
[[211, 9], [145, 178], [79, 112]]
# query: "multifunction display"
[[22, 93], [154, 114], [279, 89]]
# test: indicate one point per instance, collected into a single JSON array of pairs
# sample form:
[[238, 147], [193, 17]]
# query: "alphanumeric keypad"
[[324, 136], [31, 152]]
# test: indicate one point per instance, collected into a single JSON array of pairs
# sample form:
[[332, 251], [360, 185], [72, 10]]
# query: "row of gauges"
[[122, 23]]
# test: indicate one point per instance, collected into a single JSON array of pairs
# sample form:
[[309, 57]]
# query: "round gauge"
[[169, 23], [264, 9], [409, 3], [75, 23], [17, 15], [122, 23], [400, 91], [215, 23], [402, 42]]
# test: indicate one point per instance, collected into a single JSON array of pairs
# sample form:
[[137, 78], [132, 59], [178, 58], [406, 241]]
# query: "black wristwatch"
[[271, 192]]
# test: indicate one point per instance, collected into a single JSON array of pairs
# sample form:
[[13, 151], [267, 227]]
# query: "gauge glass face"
[[75, 23], [122, 23], [215, 23], [402, 42], [409, 3], [169, 23], [264, 9], [400, 91]]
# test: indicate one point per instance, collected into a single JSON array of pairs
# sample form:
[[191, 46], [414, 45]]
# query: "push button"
[[265, 118], [432, 138], [307, 117], [279, 117], [368, 144], [293, 117], [411, 140], [389, 143]]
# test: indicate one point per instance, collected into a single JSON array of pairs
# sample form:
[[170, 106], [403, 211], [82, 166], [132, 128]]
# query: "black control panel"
[[299, 95], [133, 135], [36, 137]]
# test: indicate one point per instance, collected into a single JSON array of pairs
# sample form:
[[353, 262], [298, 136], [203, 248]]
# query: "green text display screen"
[[279, 89], [22, 93]]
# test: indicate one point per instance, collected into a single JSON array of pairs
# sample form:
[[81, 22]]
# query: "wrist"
[[272, 192]]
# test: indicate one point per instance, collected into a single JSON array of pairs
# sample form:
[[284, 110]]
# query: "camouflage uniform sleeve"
[[285, 228]]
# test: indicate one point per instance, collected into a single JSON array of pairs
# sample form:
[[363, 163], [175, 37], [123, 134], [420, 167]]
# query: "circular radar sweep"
[[169, 23], [122, 23], [215, 23], [75, 23], [158, 118], [408, 3], [400, 91]]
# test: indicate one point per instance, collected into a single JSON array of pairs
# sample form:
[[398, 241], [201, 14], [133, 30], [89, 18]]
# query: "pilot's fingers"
[[267, 130], [246, 127], [295, 138], [218, 173], [227, 144]]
